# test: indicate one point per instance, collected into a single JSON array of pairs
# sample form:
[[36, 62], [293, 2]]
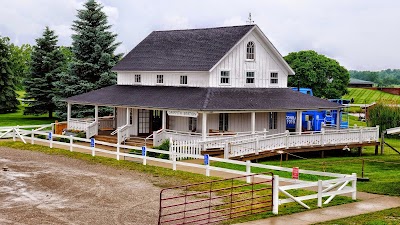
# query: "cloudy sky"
[[360, 34]]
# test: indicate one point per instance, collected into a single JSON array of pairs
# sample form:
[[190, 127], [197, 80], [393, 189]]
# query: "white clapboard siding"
[[265, 62]]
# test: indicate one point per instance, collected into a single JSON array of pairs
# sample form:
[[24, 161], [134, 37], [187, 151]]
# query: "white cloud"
[[234, 21], [172, 22]]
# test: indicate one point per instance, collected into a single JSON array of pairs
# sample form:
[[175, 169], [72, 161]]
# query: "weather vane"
[[249, 21]]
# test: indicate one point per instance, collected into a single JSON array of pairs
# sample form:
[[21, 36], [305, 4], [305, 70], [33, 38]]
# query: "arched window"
[[250, 51]]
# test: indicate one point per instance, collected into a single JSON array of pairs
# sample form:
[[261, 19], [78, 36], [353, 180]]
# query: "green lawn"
[[18, 118], [384, 217], [366, 96]]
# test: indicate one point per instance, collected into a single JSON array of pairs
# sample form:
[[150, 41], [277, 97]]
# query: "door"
[[144, 122], [156, 120]]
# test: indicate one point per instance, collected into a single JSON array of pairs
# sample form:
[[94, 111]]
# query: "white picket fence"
[[329, 187]]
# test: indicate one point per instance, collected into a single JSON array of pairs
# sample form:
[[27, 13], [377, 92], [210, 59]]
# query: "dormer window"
[[183, 79], [250, 51], [160, 79]]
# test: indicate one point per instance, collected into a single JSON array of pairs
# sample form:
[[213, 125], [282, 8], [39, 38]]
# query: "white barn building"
[[200, 82]]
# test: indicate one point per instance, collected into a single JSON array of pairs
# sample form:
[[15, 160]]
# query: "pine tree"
[[93, 46], [47, 63], [8, 96]]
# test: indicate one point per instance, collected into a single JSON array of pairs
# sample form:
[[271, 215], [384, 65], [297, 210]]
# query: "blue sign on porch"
[[143, 150], [50, 135], [206, 159], [92, 142]]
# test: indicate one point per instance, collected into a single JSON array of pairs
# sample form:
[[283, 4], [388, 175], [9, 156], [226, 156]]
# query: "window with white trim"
[[225, 77], [274, 77], [138, 78], [192, 124], [250, 77], [250, 51], [273, 120], [160, 79], [223, 121], [183, 79]]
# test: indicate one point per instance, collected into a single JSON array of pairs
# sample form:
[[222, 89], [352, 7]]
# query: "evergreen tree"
[[47, 63], [93, 46], [8, 96]]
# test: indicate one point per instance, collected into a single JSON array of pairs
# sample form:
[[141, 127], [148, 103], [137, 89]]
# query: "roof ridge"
[[206, 28], [207, 98]]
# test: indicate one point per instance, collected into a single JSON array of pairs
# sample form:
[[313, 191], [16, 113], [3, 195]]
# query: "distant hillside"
[[365, 96], [383, 78]]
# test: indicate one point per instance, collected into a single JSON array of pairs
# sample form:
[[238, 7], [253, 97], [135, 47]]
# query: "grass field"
[[18, 118], [384, 217], [366, 96]]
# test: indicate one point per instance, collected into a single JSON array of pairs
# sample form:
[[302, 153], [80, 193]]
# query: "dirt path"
[[46, 189]]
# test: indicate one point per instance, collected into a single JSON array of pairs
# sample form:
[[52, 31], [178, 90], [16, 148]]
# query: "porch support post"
[[68, 114], [253, 122], [298, 121], [204, 126], [127, 115], [338, 119], [164, 119], [96, 113]]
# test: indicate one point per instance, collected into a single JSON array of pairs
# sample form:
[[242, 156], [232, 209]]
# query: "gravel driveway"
[[50, 189]]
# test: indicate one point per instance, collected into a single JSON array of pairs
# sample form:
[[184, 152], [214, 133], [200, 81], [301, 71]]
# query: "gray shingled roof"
[[202, 99], [182, 50]]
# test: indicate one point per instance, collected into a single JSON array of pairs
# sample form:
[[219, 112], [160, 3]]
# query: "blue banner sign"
[[206, 159], [92, 142], [143, 150]]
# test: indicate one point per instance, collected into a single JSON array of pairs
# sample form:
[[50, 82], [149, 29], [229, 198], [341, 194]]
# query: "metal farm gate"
[[216, 201]]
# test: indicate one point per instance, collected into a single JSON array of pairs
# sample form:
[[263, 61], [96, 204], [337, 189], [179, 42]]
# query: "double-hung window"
[[250, 51], [225, 77], [160, 79], [274, 77], [192, 124], [250, 77], [273, 120], [223, 121], [184, 79], [138, 78]]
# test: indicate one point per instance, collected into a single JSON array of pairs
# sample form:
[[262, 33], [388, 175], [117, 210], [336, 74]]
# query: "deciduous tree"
[[324, 75]]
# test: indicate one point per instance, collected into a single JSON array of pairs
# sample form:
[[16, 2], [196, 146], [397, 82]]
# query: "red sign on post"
[[295, 173]]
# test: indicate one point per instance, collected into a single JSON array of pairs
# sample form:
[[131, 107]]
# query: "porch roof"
[[203, 98]]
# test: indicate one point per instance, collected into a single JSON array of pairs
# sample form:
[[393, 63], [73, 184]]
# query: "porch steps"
[[106, 138]]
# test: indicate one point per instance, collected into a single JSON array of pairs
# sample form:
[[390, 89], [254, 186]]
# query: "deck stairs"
[[132, 141]]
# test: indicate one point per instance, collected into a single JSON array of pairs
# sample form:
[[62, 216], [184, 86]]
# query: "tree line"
[[383, 78], [49, 72]]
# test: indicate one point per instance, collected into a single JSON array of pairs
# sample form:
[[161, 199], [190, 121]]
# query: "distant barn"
[[357, 83]]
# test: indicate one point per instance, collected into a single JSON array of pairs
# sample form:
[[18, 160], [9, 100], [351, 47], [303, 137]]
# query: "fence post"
[[248, 171], [354, 186], [319, 193], [172, 150], [360, 138], [322, 136], [32, 137], [13, 134], [257, 145], [93, 145], [51, 139], [144, 154], [71, 142], [118, 143], [226, 151], [287, 139], [275, 194]]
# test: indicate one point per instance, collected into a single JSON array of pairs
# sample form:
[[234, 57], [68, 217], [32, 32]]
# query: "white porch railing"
[[92, 129], [122, 132], [292, 140], [106, 123], [165, 134], [79, 124]]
